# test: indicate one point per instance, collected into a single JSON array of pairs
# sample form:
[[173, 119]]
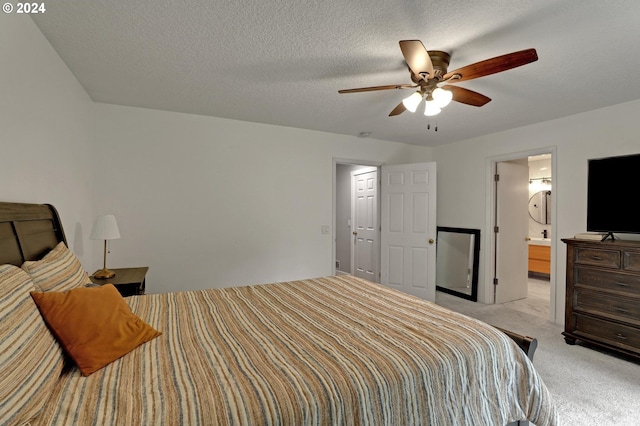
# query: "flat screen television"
[[613, 195]]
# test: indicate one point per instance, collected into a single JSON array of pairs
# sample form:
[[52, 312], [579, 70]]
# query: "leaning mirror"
[[540, 207], [457, 258]]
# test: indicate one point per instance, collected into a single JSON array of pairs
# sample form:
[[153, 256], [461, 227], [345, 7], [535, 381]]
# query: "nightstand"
[[128, 281]]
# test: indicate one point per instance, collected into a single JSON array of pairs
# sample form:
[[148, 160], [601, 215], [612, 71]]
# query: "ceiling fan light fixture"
[[442, 97], [429, 73], [411, 103], [431, 108]]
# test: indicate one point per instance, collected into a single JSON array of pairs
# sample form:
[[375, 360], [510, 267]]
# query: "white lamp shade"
[[430, 108], [442, 97], [105, 228], [411, 103]]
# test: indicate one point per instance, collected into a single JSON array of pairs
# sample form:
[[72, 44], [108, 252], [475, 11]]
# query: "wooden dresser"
[[603, 294]]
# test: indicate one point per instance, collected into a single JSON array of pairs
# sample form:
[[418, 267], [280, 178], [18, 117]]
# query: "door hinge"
[[495, 281], [496, 177], [496, 229]]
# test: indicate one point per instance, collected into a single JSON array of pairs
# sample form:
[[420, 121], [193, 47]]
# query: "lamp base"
[[104, 274]]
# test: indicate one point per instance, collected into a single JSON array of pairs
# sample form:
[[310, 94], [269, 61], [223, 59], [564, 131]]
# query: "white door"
[[364, 224], [512, 216], [408, 219]]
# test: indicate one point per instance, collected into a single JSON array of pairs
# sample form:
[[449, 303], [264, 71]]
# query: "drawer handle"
[[596, 258], [620, 336], [624, 311], [622, 284]]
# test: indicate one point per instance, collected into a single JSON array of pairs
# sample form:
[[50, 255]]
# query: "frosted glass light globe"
[[442, 97], [431, 109], [411, 103]]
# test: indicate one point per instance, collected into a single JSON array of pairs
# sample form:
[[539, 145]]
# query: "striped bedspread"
[[326, 351]]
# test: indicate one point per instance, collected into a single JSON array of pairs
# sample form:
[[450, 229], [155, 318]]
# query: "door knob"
[[431, 241], [355, 232]]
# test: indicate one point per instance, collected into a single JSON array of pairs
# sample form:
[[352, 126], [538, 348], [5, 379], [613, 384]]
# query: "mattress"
[[326, 351]]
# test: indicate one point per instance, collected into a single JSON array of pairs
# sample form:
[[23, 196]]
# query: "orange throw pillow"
[[94, 325]]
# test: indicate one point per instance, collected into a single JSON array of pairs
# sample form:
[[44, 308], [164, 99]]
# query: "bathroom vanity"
[[540, 258], [540, 248]]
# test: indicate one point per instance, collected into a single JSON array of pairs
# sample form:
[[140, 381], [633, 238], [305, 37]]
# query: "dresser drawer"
[[539, 266], [632, 261], [598, 257], [605, 304], [605, 280], [539, 252], [609, 332]]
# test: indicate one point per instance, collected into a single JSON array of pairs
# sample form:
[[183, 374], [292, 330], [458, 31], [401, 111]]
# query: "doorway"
[[407, 225], [521, 264], [343, 225]]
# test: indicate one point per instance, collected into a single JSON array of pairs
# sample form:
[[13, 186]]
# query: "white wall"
[[464, 183], [46, 125], [210, 202]]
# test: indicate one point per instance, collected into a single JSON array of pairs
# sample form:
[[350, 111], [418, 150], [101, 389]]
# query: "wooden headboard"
[[28, 231]]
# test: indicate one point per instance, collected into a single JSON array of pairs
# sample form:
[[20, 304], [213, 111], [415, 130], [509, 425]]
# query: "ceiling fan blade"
[[493, 65], [466, 96], [398, 110], [417, 58], [374, 88]]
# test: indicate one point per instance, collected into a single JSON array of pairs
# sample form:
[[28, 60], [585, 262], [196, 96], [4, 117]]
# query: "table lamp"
[[105, 228]]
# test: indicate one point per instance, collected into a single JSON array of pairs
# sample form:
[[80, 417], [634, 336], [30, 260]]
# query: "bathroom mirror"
[[457, 258], [540, 207]]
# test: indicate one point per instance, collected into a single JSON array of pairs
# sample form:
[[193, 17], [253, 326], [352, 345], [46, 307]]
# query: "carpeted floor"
[[590, 387]]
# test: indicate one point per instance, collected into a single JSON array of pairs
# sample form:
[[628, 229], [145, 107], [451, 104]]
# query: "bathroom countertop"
[[534, 241]]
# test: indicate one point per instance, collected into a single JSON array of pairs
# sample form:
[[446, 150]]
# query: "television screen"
[[613, 194]]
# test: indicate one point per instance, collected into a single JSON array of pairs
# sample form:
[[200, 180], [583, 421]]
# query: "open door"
[[408, 228], [511, 231]]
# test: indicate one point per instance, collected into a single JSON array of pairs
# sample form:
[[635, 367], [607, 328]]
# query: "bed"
[[325, 351]]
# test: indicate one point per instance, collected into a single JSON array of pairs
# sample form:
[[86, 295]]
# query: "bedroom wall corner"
[[47, 123]]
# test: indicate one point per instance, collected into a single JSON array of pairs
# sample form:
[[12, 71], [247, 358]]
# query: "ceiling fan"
[[432, 79]]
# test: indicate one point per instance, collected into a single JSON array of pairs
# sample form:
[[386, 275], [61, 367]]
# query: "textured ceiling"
[[283, 62]]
